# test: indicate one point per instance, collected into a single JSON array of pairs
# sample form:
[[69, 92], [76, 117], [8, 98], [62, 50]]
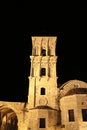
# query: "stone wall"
[[77, 103], [51, 117]]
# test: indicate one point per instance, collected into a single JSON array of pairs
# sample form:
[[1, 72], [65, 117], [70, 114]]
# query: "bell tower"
[[43, 78], [43, 91]]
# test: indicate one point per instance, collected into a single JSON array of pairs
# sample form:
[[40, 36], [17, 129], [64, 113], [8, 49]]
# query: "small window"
[[42, 123], [42, 91], [43, 72], [71, 115], [43, 52], [84, 114]]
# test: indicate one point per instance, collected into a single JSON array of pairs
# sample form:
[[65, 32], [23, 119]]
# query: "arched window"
[[43, 53], [42, 91], [43, 72]]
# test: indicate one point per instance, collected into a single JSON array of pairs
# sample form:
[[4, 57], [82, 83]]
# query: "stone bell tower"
[[43, 89]]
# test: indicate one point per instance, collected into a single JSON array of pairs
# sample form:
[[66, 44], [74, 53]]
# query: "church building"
[[49, 106]]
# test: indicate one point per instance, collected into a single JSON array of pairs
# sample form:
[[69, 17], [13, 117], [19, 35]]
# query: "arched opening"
[[42, 91], [43, 72], [43, 53], [8, 119]]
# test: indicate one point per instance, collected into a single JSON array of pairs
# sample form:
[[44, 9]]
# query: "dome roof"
[[73, 87]]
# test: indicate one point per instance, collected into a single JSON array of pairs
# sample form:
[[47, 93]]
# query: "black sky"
[[67, 21]]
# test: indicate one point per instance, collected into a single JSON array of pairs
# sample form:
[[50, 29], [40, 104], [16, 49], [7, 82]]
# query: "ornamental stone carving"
[[43, 101]]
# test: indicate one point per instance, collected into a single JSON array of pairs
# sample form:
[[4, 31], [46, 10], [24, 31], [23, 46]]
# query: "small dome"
[[73, 87]]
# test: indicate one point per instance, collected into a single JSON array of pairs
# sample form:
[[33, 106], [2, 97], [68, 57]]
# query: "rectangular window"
[[84, 114], [42, 91], [71, 115], [42, 123]]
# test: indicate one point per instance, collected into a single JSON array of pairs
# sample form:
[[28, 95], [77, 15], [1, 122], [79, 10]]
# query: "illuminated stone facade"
[[49, 107]]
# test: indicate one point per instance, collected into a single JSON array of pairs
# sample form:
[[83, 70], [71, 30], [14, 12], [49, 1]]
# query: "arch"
[[43, 72], [43, 52], [8, 119]]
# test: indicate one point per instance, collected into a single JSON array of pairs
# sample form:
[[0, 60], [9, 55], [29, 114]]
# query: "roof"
[[73, 87], [42, 107]]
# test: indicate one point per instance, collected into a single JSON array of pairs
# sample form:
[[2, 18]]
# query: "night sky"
[[67, 21]]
